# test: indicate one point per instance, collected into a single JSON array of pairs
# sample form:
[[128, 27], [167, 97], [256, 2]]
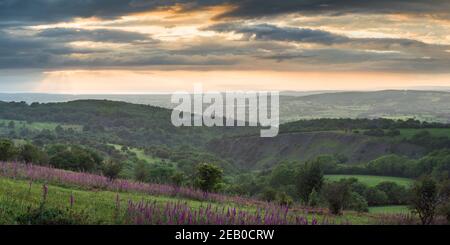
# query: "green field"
[[99, 206], [409, 133], [389, 209], [371, 180], [16, 196]]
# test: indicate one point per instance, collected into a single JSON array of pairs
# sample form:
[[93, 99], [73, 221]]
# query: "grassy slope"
[[128, 170], [371, 180], [16, 196]]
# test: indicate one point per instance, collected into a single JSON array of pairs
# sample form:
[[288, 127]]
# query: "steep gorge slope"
[[254, 152]]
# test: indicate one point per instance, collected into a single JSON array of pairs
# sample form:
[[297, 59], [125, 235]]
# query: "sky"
[[144, 46]]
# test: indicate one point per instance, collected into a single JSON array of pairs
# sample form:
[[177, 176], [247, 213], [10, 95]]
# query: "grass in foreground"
[[18, 197], [142, 203]]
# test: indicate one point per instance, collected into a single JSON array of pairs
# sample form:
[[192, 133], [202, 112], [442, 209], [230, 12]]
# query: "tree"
[[309, 178], [284, 199], [29, 153], [74, 157], [396, 194], [357, 202], [7, 150], [282, 174], [444, 192], [328, 162], [337, 195], [111, 169], [375, 197], [269, 194], [177, 179], [141, 172], [391, 165], [208, 176], [11, 125], [59, 129], [425, 199]]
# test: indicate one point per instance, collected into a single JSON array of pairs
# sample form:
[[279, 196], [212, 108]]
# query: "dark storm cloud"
[[304, 35], [271, 32], [19, 12], [43, 51], [261, 8], [45, 11], [25, 47], [101, 35]]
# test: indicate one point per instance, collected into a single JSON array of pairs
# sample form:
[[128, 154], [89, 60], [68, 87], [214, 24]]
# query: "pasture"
[[371, 180]]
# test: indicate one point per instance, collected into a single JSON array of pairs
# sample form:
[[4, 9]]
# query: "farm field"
[[394, 209], [437, 132], [371, 180]]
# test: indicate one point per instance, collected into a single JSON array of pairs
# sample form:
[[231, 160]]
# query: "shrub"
[[50, 216], [395, 193], [31, 154], [357, 202], [425, 199], [141, 172], [375, 197], [269, 194], [177, 179], [111, 169], [7, 150], [337, 195], [309, 178], [208, 176], [284, 199], [314, 199]]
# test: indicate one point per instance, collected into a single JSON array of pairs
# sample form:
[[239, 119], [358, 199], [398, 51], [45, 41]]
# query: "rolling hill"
[[423, 105]]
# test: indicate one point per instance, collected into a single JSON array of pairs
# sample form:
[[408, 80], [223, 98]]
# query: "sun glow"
[[151, 81]]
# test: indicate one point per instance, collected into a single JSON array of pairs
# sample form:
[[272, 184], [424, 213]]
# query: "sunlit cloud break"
[[351, 38]]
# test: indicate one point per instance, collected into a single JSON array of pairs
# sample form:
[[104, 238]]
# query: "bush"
[[309, 178], [314, 199], [141, 172], [337, 195], [284, 199], [74, 157], [375, 197], [7, 150], [395, 193], [177, 179], [357, 202], [50, 216], [392, 165], [29, 153], [208, 176], [111, 169], [269, 194], [425, 199]]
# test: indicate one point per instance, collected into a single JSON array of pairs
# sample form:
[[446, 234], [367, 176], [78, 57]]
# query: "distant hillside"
[[254, 152], [421, 105], [433, 106], [118, 122]]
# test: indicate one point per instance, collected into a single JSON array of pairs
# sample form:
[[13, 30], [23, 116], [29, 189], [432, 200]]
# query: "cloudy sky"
[[139, 46]]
